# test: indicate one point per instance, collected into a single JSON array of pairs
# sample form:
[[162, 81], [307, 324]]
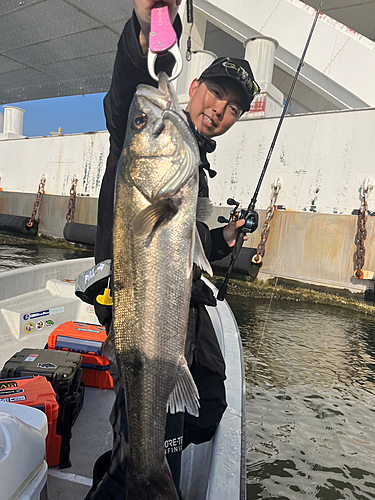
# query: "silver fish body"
[[154, 240]]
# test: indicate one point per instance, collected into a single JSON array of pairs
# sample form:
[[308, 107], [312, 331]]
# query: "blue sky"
[[73, 114]]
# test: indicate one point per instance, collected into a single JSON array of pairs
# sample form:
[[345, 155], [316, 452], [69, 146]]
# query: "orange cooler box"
[[38, 393], [88, 340]]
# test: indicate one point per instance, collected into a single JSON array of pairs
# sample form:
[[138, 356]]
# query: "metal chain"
[[72, 201], [361, 235], [257, 259], [39, 194]]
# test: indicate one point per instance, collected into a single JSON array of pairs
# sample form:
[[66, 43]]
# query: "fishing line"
[[285, 109], [286, 106], [190, 20], [249, 214], [265, 321], [305, 162]]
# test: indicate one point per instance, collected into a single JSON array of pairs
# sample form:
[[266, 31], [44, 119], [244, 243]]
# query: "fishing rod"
[[250, 215]]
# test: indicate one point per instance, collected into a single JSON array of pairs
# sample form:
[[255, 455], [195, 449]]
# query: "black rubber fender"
[[80, 233], [243, 264], [18, 224]]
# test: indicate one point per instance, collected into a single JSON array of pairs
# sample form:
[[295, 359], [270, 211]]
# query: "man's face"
[[215, 105]]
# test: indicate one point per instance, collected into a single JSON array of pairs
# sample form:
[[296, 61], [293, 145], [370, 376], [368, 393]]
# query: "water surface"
[[30, 253], [310, 396]]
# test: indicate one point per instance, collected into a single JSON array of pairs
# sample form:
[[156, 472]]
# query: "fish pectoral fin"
[[199, 256], [150, 218], [185, 393]]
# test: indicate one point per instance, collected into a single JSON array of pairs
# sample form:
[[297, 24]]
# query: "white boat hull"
[[45, 293]]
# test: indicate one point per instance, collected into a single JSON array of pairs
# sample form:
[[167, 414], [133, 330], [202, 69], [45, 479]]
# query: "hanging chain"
[[257, 259], [39, 194], [72, 201], [361, 235]]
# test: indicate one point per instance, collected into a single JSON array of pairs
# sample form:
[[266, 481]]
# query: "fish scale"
[[154, 242]]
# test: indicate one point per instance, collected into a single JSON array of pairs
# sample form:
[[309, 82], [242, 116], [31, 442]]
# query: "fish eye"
[[139, 121]]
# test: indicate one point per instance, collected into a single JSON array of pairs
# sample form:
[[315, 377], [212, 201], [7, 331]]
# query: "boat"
[[210, 471]]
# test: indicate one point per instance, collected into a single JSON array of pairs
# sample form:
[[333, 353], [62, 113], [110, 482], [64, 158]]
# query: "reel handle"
[[231, 201], [222, 220]]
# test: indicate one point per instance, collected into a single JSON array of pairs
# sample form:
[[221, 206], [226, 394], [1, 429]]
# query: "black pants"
[[208, 369]]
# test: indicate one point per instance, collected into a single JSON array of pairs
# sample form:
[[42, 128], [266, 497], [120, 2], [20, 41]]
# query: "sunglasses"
[[238, 72], [243, 76]]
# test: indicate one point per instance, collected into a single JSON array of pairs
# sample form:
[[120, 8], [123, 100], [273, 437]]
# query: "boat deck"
[[90, 438]]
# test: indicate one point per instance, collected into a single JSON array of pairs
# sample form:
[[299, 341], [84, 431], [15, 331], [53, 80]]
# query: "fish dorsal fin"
[[151, 217], [204, 208], [199, 256], [185, 393]]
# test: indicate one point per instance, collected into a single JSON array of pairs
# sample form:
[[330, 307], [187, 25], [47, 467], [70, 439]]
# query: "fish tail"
[[158, 485]]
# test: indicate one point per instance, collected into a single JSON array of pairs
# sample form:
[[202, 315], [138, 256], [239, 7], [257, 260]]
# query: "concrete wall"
[[24, 161], [309, 247], [322, 160]]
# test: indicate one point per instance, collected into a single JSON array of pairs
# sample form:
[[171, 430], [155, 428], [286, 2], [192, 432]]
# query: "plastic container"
[[23, 470], [28, 414], [88, 340], [63, 370]]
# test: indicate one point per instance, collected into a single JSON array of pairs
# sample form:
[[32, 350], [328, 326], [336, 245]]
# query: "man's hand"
[[230, 232], [143, 11]]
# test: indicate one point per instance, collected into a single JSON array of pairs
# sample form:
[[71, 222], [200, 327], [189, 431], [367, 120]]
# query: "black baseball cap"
[[239, 71]]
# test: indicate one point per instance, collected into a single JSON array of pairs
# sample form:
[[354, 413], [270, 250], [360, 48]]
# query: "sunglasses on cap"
[[239, 73], [243, 76]]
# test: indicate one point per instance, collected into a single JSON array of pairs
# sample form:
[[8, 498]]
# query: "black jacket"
[[202, 348], [130, 70]]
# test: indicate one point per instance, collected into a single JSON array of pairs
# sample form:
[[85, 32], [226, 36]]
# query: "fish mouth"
[[161, 98], [159, 101]]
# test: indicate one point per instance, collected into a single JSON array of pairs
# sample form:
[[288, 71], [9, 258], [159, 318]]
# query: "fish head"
[[161, 150]]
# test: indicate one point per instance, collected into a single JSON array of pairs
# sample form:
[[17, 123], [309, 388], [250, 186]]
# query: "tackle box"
[[86, 339], [38, 393], [63, 370]]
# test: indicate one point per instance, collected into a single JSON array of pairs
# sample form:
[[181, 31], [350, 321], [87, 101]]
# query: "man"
[[217, 100]]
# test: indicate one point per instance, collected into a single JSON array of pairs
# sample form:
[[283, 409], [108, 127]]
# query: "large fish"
[[155, 242]]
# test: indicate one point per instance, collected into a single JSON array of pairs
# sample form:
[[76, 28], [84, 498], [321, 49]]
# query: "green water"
[[310, 392], [30, 253]]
